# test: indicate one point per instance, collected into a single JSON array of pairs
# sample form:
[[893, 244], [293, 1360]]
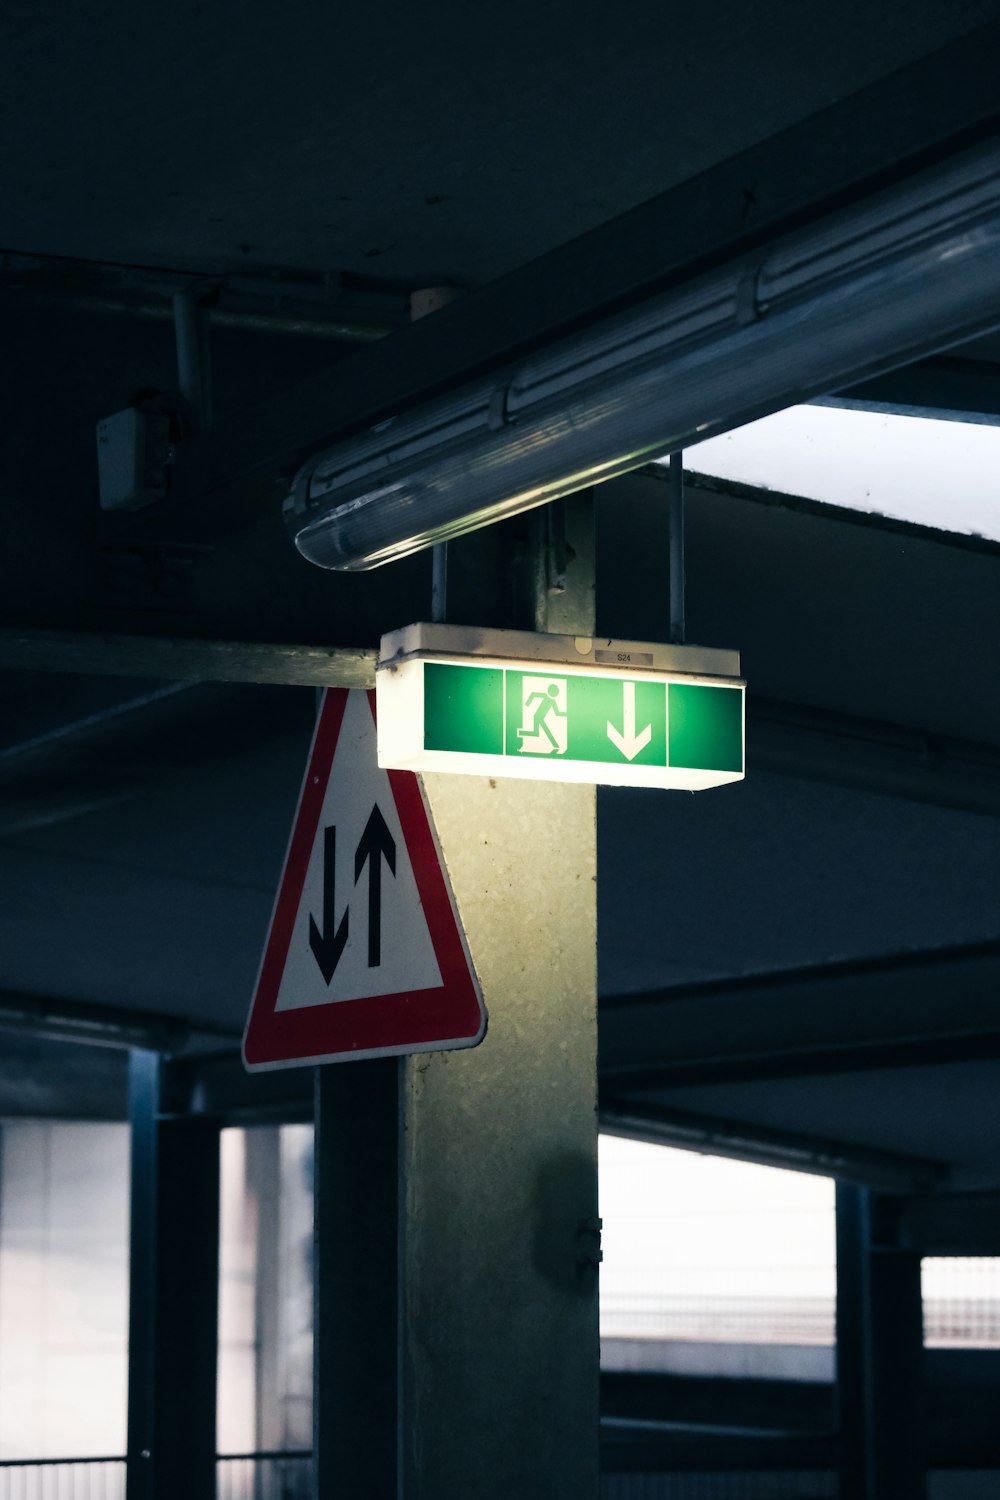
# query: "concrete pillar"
[[499, 1351], [456, 1333]]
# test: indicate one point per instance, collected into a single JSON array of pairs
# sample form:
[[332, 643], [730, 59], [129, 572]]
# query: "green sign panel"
[[547, 717]]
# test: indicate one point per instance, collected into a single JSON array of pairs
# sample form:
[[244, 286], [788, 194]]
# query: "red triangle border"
[[448, 1016]]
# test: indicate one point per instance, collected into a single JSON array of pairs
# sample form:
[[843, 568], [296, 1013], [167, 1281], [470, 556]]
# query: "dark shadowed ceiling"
[[417, 145]]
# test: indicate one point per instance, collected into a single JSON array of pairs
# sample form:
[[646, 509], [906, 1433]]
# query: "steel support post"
[[499, 1236], [194, 371], [852, 1265], [173, 1296], [355, 1260], [263, 1186], [880, 1365]]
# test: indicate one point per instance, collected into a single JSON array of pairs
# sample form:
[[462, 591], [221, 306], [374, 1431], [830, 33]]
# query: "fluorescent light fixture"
[[559, 708], [911, 270], [921, 469]]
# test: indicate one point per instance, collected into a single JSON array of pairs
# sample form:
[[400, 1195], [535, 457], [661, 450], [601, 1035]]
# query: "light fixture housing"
[[909, 270], [509, 703]]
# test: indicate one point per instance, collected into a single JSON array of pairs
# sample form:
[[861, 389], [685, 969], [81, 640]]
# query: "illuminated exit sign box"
[[559, 708]]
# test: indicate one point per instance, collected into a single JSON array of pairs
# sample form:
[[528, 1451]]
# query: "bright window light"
[[706, 1250], [961, 1302], [943, 474], [64, 1194]]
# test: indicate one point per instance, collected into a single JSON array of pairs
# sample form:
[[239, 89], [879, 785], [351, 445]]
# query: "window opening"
[[702, 1252], [942, 474]]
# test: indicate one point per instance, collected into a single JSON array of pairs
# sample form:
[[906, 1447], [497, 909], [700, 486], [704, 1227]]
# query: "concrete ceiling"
[[944, 1114], [778, 873], [402, 143]]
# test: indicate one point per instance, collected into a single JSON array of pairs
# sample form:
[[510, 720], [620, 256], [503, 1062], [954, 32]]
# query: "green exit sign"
[[559, 708]]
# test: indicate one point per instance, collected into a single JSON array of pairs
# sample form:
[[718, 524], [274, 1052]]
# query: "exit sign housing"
[[559, 708]]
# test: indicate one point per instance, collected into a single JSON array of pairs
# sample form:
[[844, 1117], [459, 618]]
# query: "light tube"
[[911, 270]]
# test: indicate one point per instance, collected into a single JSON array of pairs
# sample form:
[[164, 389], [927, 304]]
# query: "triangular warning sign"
[[365, 956]]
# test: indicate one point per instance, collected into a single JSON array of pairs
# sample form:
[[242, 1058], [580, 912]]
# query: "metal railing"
[[756, 1320], [285, 1475], [962, 1322], [949, 1321], [288, 1476], [62, 1479], [961, 1310], [961, 1301]]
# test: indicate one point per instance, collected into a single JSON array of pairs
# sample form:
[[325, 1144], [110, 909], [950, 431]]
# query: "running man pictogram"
[[544, 728]]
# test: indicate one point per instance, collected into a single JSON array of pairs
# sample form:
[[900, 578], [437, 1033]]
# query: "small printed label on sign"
[[626, 658]]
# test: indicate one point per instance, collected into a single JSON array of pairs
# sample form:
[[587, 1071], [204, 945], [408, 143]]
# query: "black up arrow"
[[328, 945], [376, 844]]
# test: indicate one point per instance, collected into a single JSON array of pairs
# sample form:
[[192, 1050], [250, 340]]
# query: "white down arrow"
[[629, 743]]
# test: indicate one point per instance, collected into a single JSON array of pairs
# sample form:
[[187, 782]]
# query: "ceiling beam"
[[785, 738], [966, 390], [218, 1085], [203, 660], [902, 1010], [792, 1150], [792, 739], [956, 1224], [103, 1025]]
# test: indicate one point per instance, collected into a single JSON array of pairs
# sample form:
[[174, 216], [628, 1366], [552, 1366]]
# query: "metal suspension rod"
[[423, 302], [677, 573], [439, 583]]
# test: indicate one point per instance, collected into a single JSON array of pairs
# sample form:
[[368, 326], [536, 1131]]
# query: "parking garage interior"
[[244, 1284]]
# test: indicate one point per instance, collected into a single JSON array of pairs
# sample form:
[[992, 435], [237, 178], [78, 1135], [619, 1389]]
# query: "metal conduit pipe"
[[289, 325], [194, 378], [907, 271]]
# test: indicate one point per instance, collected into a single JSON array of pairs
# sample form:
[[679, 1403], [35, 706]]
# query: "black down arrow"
[[376, 844], [328, 945]]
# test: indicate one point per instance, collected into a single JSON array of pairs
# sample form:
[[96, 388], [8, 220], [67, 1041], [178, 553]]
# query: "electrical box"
[[133, 453]]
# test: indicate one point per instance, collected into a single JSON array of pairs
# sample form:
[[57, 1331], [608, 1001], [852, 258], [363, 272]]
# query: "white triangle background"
[[407, 955]]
